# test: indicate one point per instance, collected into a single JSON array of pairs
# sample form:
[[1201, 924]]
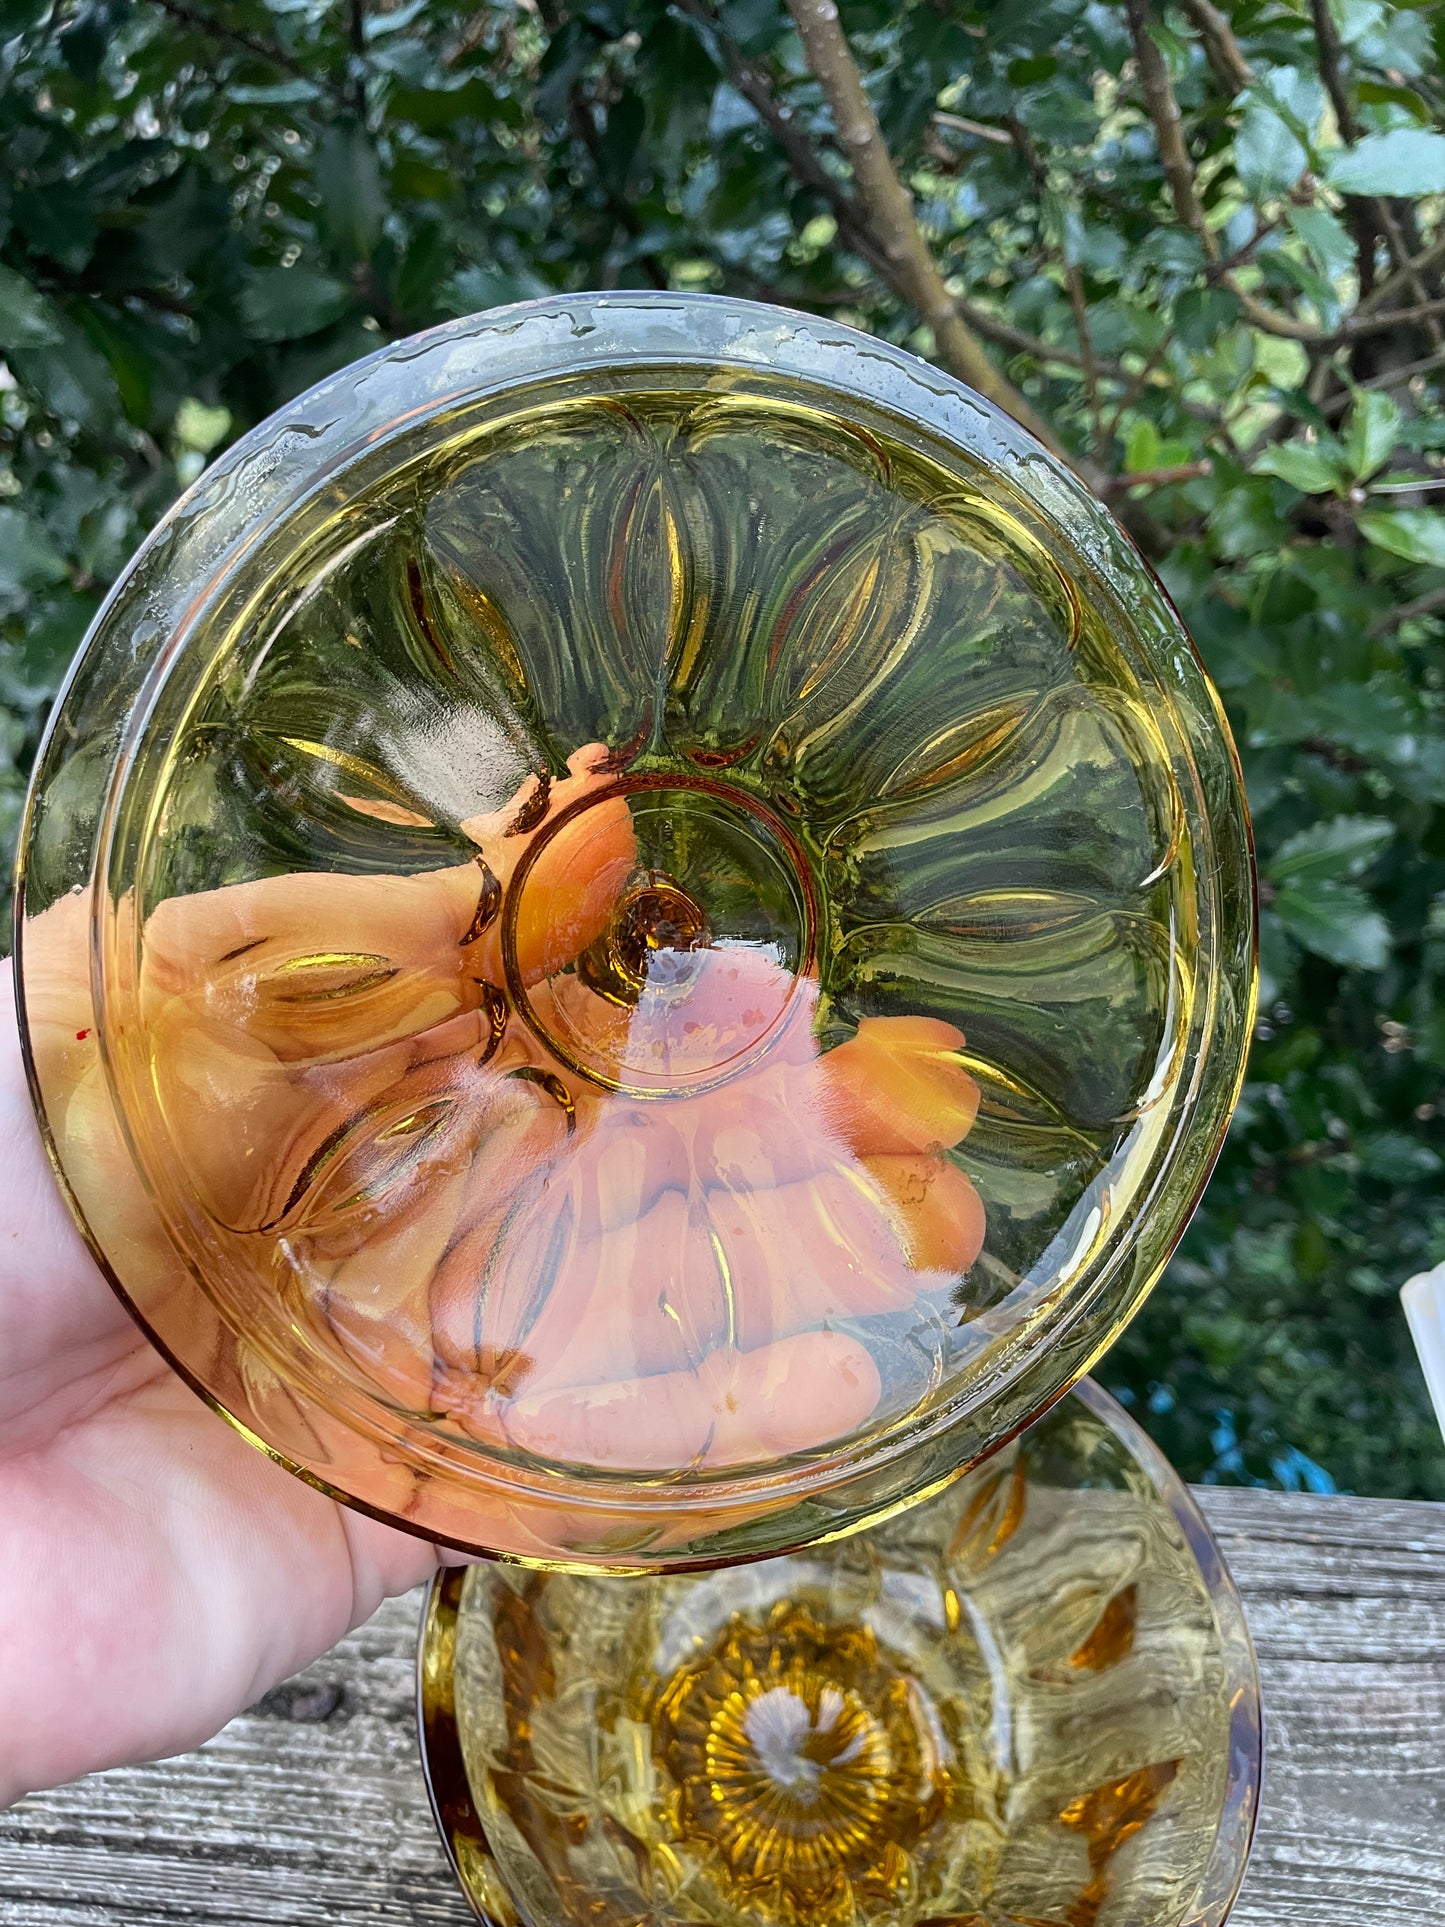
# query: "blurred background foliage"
[[1204, 245]]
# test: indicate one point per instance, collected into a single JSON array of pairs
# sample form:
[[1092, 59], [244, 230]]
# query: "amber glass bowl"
[[635, 931], [1031, 1699]]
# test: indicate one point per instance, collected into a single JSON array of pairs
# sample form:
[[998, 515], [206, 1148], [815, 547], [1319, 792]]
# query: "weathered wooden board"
[[310, 1808]]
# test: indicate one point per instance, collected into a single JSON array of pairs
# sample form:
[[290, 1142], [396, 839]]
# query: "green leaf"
[[1299, 94], [1374, 427], [57, 222], [1268, 155], [17, 16], [29, 559], [286, 304], [199, 427], [1144, 449], [1311, 467], [1343, 846], [439, 109], [1202, 314], [57, 622], [348, 180], [1334, 920], [1407, 161], [484, 286], [1396, 1158], [1326, 237], [276, 93], [1357, 19], [1417, 535], [1245, 521], [1380, 93], [28, 319], [71, 377]]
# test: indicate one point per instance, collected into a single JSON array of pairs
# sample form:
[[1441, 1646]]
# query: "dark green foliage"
[[208, 204]]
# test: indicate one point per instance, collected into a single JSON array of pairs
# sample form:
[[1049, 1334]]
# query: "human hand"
[[702, 1253], [157, 1574]]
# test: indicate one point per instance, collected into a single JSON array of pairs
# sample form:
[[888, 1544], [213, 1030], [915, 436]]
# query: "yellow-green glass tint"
[[651, 958], [1030, 1700]]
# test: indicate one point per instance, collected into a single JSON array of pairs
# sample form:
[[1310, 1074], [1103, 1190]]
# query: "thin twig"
[[1221, 49], [1137, 384], [1157, 477], [1241, 256], [886, 208], [1419, 264], [1355, 327], [980, 129], [253, 43], [993, 328], [1073, 282], [1424, 605], [1390, 378]]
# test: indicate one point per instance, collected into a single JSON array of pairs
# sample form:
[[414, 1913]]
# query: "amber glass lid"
[[636, 931]]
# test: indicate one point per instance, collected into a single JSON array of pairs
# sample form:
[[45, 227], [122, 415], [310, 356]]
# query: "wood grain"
[[1346, 1602], [311, 1808]]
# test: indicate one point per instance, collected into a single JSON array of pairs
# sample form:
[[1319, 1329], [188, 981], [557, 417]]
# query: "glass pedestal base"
[[1030, 1701]]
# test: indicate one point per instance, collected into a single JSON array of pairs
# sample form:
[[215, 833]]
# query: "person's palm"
[[156, 1573]]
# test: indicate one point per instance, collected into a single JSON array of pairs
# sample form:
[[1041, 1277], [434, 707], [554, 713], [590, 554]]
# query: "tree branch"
[[1420, 264], [1221, 49], [885, 208], [1327, 38], [1287, 326], [1355, 327], [1163, 107]]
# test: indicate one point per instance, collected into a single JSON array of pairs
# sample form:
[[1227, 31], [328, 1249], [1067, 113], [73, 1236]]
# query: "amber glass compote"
[[1028, 1702], [636, 938]]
